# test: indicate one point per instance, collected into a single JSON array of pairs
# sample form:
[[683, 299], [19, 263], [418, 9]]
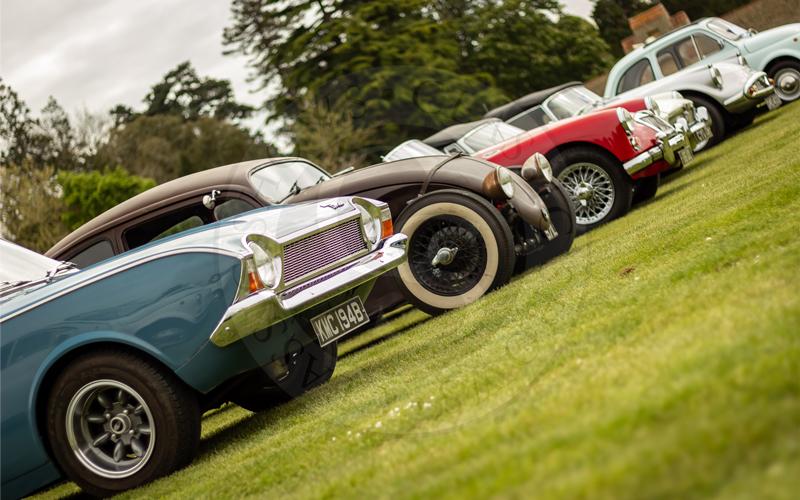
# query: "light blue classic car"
[[711, 40], [107, 370]]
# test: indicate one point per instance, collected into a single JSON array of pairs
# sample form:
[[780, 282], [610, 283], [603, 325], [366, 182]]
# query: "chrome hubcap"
[[787, 84], [444, 256], [591, 190], [109, 428]]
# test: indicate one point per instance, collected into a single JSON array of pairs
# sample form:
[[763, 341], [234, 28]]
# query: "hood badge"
[[332, 205]]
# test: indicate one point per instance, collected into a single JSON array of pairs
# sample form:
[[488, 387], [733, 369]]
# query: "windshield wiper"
[[321, 179], [60, 268], [293, 190]]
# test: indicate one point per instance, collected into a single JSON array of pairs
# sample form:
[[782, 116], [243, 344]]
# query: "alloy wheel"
[[110, 428]]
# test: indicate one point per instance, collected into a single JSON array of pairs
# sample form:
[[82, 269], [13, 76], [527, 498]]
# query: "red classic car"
[[606, 160]]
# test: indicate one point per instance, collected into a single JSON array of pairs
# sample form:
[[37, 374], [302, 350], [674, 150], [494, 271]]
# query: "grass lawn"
[[660, 358]]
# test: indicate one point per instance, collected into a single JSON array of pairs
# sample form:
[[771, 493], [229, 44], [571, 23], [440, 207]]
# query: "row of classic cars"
[[236, 283]]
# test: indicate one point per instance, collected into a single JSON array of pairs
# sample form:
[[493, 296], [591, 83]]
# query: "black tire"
[[304, 367], [562, 214], [719, 120], [645, 189], [453, 220], [168, 408], [786, 68], [614, 181]]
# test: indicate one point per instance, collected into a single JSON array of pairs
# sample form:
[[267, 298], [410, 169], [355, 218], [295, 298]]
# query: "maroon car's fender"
[[601, 129]]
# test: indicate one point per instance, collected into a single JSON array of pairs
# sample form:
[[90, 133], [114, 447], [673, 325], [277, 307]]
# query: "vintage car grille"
[[315, 252]]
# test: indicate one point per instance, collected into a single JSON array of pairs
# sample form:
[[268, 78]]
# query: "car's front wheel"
[[459, 248], [116, 420], [600, 189]]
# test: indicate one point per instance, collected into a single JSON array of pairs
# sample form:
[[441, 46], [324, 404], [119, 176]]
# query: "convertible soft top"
[[453, 133], [525, 103]]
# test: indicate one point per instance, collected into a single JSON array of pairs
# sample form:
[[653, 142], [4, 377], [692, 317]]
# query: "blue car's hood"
[[770, 37], [276, 222]]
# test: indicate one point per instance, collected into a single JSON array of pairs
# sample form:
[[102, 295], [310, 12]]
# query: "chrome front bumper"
[[265, 308], [745, 99], [666, 149]]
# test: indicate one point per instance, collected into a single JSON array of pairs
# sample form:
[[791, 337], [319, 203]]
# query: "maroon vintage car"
[[471, 224]]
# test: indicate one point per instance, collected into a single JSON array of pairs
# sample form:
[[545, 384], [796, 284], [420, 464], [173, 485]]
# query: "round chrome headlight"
[[267, 266], [626, 120], [716, 76], [370, 224], [537, 166], [505, 181]]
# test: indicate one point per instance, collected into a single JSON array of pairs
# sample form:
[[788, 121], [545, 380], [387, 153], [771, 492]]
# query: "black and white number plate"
[[685, 155], [702, 135], [340, 320], [773, 101]]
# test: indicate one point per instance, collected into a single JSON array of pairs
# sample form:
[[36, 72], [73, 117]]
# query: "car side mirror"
[[210, 200]]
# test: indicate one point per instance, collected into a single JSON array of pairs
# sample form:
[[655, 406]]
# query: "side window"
[[167, 224], [527, 120], [687, 52], [184, 225], [232, 207], [667, 63], [706, 44], [636, 76], [101, 250]]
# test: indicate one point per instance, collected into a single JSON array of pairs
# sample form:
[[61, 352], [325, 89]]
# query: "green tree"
[[391, 63], [88, 194], [328, 136], [164, 147], [520, 44], [409, 67], [611, 17], [29, 206]]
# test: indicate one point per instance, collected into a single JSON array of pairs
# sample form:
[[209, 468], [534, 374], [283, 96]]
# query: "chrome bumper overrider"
[[666, 150], [268, 307], [743, 97], [701, 127]]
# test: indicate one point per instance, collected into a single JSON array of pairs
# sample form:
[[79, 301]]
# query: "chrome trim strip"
[[265, 308]]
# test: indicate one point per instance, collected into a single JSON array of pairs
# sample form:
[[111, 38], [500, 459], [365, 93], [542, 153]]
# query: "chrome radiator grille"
[[320, 250]]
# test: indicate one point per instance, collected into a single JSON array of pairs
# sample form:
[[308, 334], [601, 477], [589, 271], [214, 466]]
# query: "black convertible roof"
[[453, 133], [525, 103]]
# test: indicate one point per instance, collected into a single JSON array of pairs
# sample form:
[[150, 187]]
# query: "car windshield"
[[572, 101], [727, 29], [282, 180], [411, 149], [20, 264], [490, 134]]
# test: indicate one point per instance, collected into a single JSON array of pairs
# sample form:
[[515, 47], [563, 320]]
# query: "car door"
[[695, 48]]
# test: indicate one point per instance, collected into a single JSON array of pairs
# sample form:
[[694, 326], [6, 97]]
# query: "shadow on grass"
[[384, 338]]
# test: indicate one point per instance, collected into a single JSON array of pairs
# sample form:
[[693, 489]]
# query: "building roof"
[[527, 102]]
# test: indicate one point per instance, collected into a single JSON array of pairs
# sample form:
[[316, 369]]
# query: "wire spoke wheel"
[[447, 255], [110, 428], [591, 189]]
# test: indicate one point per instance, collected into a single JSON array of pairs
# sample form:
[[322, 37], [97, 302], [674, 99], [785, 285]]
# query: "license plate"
[[702, 135], [686, 156], [339, 321], [773, 101]]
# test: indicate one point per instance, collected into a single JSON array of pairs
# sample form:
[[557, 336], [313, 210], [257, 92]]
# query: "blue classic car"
[[107, 370]]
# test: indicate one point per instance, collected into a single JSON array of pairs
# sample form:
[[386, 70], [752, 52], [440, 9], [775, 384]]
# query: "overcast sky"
[[98, 53]]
